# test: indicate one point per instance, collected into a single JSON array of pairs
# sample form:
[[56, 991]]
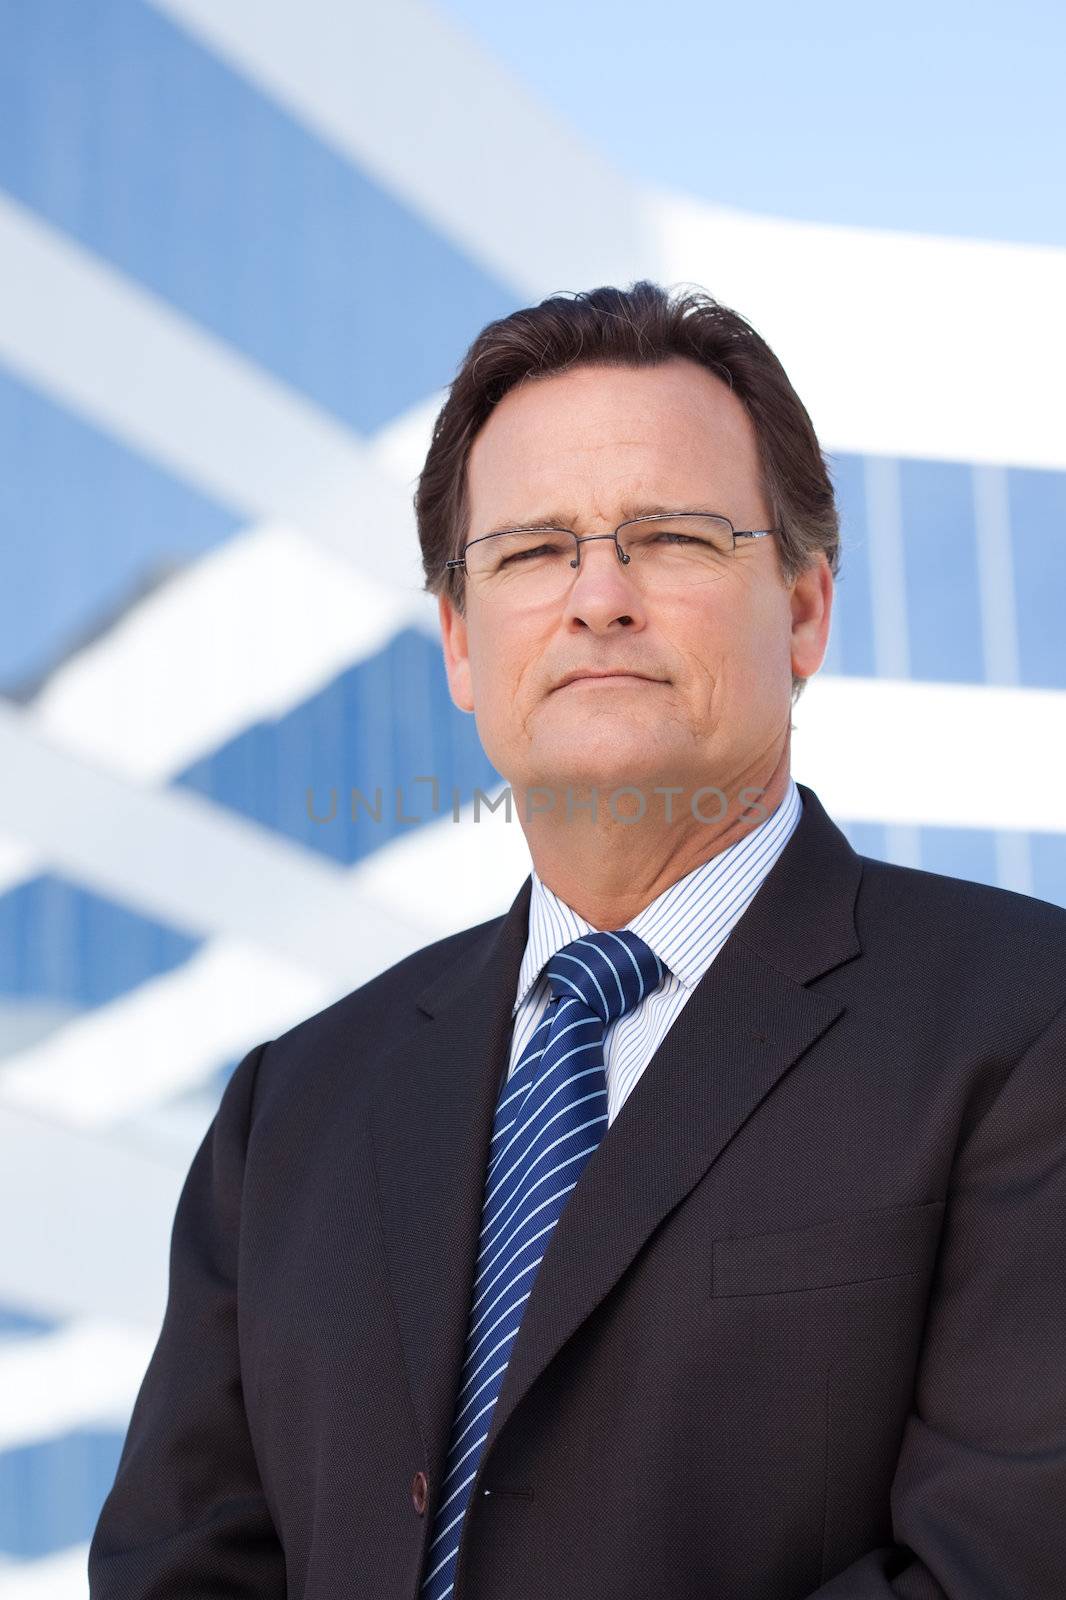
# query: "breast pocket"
[[895, 1241]]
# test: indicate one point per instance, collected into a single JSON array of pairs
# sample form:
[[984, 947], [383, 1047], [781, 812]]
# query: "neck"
[[608, 870]]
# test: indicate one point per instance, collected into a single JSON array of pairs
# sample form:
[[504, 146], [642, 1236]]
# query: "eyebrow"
[[630, 509]]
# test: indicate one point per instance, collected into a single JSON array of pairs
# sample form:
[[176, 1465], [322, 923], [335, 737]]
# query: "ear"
[[456, 654], [812, 605]]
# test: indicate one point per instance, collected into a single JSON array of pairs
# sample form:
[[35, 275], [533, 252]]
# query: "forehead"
[[589, 441]]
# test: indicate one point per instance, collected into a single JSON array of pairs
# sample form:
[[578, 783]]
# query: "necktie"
[[551, 1115]]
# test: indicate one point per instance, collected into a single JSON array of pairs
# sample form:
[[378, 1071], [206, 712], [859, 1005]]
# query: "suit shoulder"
[[926, 891], [975, 927]]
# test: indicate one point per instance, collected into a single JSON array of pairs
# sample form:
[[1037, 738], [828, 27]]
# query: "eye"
[[528, 545], [526, 555]]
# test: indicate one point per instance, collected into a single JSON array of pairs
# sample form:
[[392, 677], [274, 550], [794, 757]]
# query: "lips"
[[601, 677]]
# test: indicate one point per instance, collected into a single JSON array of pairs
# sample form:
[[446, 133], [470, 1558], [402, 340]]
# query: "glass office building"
[[241, 262]]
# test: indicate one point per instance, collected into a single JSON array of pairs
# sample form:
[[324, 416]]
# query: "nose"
[[603, 592]]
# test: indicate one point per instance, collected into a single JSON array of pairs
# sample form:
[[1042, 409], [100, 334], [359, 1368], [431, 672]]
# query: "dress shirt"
[[686, 926]]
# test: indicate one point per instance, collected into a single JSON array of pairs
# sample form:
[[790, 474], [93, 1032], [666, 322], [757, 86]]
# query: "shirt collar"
[[689, 922]]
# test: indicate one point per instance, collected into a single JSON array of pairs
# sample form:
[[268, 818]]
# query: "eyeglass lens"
[[539, 562]]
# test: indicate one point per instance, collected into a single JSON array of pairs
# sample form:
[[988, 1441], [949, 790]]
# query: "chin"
[[602, 763]]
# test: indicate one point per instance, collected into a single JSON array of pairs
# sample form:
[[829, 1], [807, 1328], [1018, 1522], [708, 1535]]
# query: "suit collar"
[[747, 1021], [801, 920]]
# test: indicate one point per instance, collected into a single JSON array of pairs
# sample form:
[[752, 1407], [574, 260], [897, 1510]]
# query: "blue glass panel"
[[1049, 866], [943, 597], [961, 853], [51, 1492], [84, 523], [383, 723], [1038, 527], [903, 844], [126, 133], [62, 941], [15, 1324]]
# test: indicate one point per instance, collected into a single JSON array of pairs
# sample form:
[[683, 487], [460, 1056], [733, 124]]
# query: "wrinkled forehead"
[[593, 442]]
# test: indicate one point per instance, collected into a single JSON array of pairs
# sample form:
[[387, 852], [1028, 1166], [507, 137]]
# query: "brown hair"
[[642, 326]]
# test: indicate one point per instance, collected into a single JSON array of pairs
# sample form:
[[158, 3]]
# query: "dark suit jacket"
[[801, 1328]]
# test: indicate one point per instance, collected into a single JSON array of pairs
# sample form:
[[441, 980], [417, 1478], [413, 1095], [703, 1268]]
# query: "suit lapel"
[[746, 1023], [430, 1127]]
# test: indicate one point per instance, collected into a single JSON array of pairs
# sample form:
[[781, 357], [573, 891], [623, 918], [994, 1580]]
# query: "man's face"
[[712, 703]]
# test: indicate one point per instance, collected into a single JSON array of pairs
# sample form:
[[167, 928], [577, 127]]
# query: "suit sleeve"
[[979, 1494], [187, 1514]]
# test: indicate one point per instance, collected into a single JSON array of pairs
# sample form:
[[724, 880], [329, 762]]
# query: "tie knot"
[[610, 972]]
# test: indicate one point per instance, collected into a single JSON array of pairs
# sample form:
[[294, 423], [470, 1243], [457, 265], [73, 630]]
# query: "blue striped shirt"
[[686, 926]]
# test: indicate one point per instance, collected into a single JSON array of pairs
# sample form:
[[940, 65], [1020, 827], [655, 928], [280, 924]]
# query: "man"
[[694, 1230]]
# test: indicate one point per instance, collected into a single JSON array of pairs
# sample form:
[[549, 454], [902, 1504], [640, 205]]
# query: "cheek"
[[496, 673], [744, 646]]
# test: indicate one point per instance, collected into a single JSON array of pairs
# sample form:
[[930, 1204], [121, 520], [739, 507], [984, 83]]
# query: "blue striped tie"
[[551, 1115]]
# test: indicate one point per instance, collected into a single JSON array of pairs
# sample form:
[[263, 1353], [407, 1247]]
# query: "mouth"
[[606, 680]]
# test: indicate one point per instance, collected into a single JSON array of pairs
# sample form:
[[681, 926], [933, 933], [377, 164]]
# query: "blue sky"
[[940, 117]]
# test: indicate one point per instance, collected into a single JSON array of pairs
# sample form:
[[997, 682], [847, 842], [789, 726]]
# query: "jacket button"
[[419, 1492]]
